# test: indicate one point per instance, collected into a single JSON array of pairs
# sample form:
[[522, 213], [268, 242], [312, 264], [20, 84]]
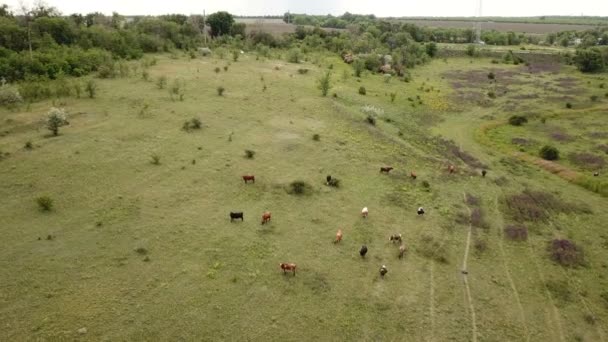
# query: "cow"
[[328, 178], [236, 215], [395, 238], [383, 271], [338, 236], [413, 175], [483, 173], [288, 267], [247, 178], [451, 168], [596, 173], [420, 211], [364, 212], [266, 217], [363, 251], [386, 169], [401, 251]]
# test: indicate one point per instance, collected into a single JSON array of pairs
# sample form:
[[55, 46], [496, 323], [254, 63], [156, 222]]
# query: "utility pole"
[[478, 28], [204, 29]]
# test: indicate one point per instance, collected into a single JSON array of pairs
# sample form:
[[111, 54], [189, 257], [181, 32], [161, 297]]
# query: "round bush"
[[517, 120], [362, 90], [549, 153]]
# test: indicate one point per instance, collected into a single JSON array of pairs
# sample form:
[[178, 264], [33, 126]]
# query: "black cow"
[[328, 179], [395, 238], [236, 215], [483, 173], [363, 251], [420, 211]]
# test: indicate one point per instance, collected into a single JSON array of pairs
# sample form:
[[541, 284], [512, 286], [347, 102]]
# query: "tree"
[[220, 23], [238, 29], [56, 118], [431, 49], [324, 83], [589, 60], [5, 12]]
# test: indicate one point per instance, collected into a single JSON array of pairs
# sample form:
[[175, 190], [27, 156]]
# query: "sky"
[[385, 8]]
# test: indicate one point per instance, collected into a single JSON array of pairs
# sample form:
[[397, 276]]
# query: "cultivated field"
[[139, 251], [273, 26], [533, 28]]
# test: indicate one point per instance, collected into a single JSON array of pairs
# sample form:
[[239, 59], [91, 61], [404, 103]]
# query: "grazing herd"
[[395, 238]]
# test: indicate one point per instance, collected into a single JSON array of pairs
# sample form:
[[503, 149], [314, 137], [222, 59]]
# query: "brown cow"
[[338, 236], [413, 175], [395, 238], [247, 178], [266, 217], [386, 169], [451, 168], [288, 267]]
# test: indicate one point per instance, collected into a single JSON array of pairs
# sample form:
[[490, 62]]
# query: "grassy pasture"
[[532, 28], [147, 252]]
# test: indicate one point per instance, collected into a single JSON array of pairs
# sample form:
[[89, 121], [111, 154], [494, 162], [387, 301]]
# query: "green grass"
[[147, 252]]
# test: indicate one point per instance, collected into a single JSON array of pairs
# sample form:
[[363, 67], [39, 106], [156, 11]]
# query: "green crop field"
[[134, 249]]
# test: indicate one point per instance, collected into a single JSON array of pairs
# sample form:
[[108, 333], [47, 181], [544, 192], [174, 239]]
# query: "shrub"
[[433, 248], [145, 75], [77, 89], [491, 76], [566, 253], [393, 96], [316, 137], [217, 70], [220, 90], [106, 71], [358, 67], [517, 120], [299, 188], [225, 68], [324, 83], [568, 105], [176, 91], [161, 82], [141, 251], [559, 289], [426, 184], [516, 233], [471, 50], [362, 90], [480, 245], [491, 94], [155, 159], [192, 124], [56, 118], [472, 200], [91, 88], [593, 98], [549, 153], [302, 71], [9, 96], [235, 55], [249, 154], [45, 203], [587, 160], [536, 205], [28, 145], [294, 55], [371, 120]]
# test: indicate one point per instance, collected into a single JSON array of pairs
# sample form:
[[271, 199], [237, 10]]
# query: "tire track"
[[432, 301], [465, 273], [508, 273]]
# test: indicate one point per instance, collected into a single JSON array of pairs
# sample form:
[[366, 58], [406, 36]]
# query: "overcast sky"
[[335, 7]]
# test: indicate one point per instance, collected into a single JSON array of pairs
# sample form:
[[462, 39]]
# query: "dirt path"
[[432, 301], [465, 274], [501, 249]]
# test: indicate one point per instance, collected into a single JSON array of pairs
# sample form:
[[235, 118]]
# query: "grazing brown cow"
[[338, 236], [266, 217], [401, 251], [288, 267], [413, 175], [386, 169], [247, 178], [451, 168]]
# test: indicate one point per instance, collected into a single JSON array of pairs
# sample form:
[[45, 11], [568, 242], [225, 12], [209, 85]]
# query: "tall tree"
[[220, 23]]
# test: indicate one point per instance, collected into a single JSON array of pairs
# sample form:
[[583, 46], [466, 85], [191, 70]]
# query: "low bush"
[[192, 124], [491, 76], [587, 160], [426, 184], [593, 98], [559, 289], [302, 71], [9, 96], [155, 159], [371, 120], [28, 145], [316, 137], [161, 82], [516, 232], [362, 90], [549, 153], [294, 55], [220, 90], [299, 188], [249, 154], [45, 203], [517, 120], [535, 206], [432, 248], [217, 70], [566, 253], [334, 182], [56, 118], [491, 94], [91, 88], [393, 96], [568, 105]]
